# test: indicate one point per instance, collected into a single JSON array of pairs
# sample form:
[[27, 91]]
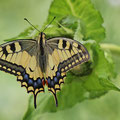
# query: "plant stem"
[[111, 47]]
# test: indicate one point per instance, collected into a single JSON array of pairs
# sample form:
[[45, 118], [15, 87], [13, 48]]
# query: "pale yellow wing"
[[63, 55], [19, 58]]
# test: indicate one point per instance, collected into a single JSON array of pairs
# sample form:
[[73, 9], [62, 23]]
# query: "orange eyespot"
[[43, 83], [46, 82]]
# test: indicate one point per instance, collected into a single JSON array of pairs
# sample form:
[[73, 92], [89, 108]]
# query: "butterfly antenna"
[[31, 24], [49, 24]]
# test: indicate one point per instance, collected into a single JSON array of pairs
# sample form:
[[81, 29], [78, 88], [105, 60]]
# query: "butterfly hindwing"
[[64, 54], [19, 58]]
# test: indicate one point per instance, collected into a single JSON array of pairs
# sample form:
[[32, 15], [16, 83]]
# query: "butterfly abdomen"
[[42, 62]]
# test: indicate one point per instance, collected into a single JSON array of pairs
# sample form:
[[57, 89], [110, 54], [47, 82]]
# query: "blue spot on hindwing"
[[55, 80], [39, 82], [25, 77], [35, 85], [30, 82], [58, 74], [52, 84]]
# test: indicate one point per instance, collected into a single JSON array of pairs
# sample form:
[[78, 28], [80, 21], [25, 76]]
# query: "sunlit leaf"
[[71, 10]]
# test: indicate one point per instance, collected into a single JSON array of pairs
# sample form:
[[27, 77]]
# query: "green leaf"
[[83, 10]]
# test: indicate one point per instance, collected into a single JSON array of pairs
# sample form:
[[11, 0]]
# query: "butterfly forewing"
[[67, 53], [63, 54]]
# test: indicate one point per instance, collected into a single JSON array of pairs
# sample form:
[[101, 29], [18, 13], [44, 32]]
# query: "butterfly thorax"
[[41, 42], [42, 52]]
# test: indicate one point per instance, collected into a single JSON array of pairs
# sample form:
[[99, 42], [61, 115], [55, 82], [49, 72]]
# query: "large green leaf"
[[83, 10]]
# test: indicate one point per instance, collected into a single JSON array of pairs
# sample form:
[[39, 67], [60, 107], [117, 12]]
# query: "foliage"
[[79, 20]]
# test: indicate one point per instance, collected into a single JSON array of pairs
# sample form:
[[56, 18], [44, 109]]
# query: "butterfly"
[[39, 62]]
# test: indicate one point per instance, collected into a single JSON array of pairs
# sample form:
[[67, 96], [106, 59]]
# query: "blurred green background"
[[14, 99]]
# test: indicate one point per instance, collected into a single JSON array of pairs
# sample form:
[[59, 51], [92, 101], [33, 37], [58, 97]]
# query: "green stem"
[[111, 47]]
